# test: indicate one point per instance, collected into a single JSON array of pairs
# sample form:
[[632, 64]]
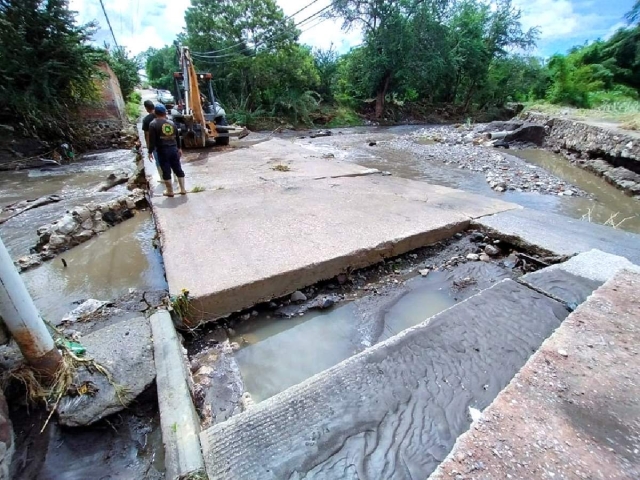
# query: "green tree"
[[160, 65], [250, 48], [47, 68], [126, 69]]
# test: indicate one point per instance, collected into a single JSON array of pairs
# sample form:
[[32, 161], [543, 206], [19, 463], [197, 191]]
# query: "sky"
[[140, 24]]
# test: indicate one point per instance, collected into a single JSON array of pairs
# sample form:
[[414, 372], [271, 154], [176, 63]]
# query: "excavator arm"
[[199, 129]]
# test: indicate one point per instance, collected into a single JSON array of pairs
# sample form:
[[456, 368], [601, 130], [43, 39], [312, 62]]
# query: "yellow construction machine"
[[198, 115]]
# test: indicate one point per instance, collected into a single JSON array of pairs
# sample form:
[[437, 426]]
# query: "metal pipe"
[[24, 321]]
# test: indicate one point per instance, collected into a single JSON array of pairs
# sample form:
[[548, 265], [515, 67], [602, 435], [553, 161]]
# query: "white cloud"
[[140, 24], [556, 19], [137, 24], [324, 34]]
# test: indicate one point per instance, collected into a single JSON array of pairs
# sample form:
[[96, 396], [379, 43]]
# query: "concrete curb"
[[178, 417]]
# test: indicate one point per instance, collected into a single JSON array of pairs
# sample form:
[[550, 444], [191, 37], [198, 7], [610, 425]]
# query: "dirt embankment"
[[601, 148]]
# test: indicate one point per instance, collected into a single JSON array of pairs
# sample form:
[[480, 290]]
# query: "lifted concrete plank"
[[237, 247], [574, 280], [573, 410], [395, 410], [561, 235]]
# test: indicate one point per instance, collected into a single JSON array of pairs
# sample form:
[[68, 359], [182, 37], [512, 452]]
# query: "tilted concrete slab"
[[395, 410], [255, 239], [573, 410], [574, 280], [561, 235]]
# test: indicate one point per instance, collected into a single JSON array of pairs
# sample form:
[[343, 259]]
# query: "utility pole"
[[24, 321]]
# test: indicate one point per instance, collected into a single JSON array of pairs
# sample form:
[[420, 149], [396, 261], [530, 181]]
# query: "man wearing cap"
[[164, 139], [146, 122]]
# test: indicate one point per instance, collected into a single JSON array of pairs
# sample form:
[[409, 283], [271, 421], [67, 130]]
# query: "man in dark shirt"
[[165, 140], [146, 121]]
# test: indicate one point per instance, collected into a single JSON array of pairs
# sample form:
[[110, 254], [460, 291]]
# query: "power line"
[[211, 56], [251, 54], [241, 44], [109, 23]]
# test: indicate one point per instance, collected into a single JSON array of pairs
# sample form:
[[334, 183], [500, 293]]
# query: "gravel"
[[465, 149]]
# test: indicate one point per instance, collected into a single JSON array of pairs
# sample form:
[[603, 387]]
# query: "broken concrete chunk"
[[84, 310], [125, 350]]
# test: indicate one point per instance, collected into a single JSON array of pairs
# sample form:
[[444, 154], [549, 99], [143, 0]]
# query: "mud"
[[123, 447], [283, 343]]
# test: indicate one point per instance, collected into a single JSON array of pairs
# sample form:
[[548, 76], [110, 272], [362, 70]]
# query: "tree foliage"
[[125, 68], [47, 68]]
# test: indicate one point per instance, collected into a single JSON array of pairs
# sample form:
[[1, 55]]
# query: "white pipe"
[[497, 135], [23, 319]]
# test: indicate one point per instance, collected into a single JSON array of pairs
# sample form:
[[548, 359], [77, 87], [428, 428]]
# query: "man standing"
[[146, 121], [164, 139]]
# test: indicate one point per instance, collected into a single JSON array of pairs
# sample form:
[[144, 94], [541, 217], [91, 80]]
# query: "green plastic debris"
[[74, 347]]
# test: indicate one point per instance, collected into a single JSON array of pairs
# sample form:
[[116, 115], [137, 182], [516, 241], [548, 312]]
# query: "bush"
[[133, 107]]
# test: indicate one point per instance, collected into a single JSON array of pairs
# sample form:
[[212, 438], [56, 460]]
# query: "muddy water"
[[128, 446], [608, 200], [276, 353], [105, 267], [389, 155]]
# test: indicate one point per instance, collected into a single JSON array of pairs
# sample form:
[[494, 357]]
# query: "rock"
[[100, 227], [81, 213], [563, 353], [322, 303], [342, 279], [87, 224], [298, 297], [485, 258], [7, 439], [110, 217], [56, 241], [66, 225], [476, 237], [125, 349], [83, 311], [473, 257], [373, 144], [425, 272], [386, 174], [83, 236], [492, 251]]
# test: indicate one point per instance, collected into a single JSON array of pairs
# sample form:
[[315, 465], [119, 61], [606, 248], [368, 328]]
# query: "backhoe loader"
[[197, 113]]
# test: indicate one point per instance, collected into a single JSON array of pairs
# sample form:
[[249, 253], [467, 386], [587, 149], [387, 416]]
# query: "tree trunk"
[[469, 95], [381, 94]]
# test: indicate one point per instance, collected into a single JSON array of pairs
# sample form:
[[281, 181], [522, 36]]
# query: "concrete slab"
[[269, 233], [395, 410], [178, 418], [255, 164], [561, 235], [572, 412], [574, 280], [125, 350]]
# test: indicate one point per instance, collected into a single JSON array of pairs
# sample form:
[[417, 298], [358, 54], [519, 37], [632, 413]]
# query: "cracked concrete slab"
[[572, 411], [560, 235], [395, 410], [577, 278], [256, 240]]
